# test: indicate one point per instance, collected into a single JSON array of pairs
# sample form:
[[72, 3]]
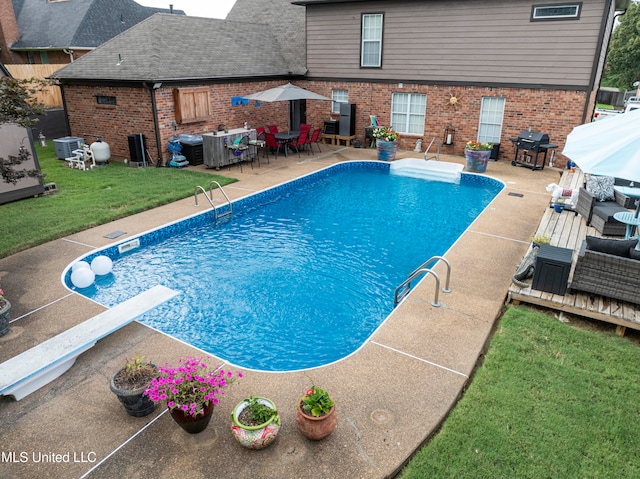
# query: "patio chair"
[[305, 127], [238, 148], [300, 141], [599, 214], [260, 143], [272, 143], [314, 138], [273, 129]]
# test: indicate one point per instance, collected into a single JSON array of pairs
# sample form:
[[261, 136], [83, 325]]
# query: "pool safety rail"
[[209, 198], [436, 140], [403, 289]]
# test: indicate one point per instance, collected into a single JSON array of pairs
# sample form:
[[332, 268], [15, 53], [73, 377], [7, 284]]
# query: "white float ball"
[[80, 264], [101, 265], [82, 277]]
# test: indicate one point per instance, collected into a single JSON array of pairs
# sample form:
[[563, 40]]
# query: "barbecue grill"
[[529, 145]]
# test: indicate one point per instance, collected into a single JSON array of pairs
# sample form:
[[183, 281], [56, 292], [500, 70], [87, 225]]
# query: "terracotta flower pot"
[[316, 428]]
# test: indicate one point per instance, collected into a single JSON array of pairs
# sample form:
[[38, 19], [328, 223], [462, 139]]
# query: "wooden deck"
[[568, 230]]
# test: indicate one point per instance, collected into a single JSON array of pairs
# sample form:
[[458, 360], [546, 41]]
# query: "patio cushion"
[[611, 246], [601, 187]]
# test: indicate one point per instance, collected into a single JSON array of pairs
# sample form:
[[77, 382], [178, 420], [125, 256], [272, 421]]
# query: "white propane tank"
[[101, 151]]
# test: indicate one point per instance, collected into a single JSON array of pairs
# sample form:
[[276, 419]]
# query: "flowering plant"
[[317, 402], [2, 300], [190, 386], [384, 133], [476, 145]]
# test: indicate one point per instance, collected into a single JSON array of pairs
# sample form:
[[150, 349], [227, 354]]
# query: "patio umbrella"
[[285, 92], [609, 147]]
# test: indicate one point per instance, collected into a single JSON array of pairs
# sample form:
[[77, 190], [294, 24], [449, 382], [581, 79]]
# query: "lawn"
[[84, 199], [549, 401]]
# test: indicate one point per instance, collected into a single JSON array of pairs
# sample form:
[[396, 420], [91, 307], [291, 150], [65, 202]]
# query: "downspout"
[[615, 16], [154, 110], [68, 52]]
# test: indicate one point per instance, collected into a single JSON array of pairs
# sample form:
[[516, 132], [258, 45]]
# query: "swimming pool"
[[301, 274]]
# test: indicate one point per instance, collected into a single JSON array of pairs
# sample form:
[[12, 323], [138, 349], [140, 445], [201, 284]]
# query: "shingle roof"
[[287, 22], [75, 23], [168, 47]]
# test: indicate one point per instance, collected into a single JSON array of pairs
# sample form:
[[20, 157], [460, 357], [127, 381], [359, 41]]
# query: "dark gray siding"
[[476, 41]]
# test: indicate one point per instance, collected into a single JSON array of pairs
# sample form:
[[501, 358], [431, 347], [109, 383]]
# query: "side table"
[[630, 219], [552, 268]]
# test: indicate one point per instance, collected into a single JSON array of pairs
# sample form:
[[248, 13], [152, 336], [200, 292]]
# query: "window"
[[408, 112], [371, 48], [491, 114], [555, 12], [337, 97], [105, 100], [44, 58], [192, 104]]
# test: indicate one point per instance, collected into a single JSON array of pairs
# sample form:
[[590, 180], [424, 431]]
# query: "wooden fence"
[[49, 97]]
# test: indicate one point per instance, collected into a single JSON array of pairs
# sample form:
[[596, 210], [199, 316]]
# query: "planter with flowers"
[[129, 384], [386, 143], [316, 415], [477, 156], [191, 390], [5, 314], [255, 422]]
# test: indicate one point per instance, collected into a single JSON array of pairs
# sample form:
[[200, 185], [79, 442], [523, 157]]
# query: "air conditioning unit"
[[65, 146]]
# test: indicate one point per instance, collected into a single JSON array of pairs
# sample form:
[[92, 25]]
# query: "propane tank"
[[101, 151]]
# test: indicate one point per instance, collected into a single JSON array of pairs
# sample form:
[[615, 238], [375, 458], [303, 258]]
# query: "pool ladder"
[[209, 198], [405, 286]]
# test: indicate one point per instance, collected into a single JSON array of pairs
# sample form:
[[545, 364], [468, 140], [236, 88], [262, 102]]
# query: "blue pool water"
[[300, 275]]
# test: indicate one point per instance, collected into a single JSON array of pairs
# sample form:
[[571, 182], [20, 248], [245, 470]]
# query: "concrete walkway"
[[391, 395]]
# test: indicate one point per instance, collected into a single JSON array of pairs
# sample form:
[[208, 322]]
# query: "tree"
[[623, 58], [17, 105]]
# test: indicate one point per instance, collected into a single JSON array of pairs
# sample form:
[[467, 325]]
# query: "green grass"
[[85, 199], [549, 401]]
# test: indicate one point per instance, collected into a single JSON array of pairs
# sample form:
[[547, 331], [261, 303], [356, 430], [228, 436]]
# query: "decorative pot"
[[477, 160], [558, 208], [386, 149], [316, 428], [193, 424], [255, 437], [5, 315], [134, 401]]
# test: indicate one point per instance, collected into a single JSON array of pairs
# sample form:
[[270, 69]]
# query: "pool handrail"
[[403, 289], [210, 198]]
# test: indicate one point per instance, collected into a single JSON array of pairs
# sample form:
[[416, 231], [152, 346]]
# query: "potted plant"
[[316, 414], [477, 155], [130, 383], [191, 390], [386, 143], [255, 422], [5, 313], [538, 239]]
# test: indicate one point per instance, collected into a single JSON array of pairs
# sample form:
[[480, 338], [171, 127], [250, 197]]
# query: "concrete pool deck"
[[419, 361]]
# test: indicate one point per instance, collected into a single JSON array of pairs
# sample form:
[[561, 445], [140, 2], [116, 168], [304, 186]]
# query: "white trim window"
[[337, 97], [491, 116], [371, 48], [566, 11], [408, 112]]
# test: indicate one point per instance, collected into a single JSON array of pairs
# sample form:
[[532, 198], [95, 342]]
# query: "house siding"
[[470, 42]]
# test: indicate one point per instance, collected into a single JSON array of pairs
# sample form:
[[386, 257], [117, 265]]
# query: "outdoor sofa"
[[598, 207], [608, 267]]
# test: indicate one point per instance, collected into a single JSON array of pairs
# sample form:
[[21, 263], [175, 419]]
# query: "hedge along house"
[[177, 68], [481, 69]]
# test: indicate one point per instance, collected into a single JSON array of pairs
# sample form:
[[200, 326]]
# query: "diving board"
[[32, 369], [427, 169]]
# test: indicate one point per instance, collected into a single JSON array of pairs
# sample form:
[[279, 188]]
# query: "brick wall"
[[555, 112], [8, 32]]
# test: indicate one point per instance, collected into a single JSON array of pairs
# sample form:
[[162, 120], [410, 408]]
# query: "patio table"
[[285, 138], [630, 219]]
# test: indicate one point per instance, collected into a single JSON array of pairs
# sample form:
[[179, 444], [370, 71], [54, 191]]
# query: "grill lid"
[[534, 136]]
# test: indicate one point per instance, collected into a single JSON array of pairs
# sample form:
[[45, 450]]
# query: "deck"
[[568, 230]]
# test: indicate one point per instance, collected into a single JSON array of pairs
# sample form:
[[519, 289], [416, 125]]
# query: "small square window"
[[337, 97], [105, 100], [559, 11]]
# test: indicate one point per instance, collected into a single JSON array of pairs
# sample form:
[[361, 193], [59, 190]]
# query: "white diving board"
[[32, 369]]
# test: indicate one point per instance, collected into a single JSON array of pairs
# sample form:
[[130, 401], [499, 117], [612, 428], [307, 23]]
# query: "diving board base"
[[29, 371]]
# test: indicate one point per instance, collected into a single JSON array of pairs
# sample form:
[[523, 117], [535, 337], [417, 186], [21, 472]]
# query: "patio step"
[[429, 170], [32, 369]]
